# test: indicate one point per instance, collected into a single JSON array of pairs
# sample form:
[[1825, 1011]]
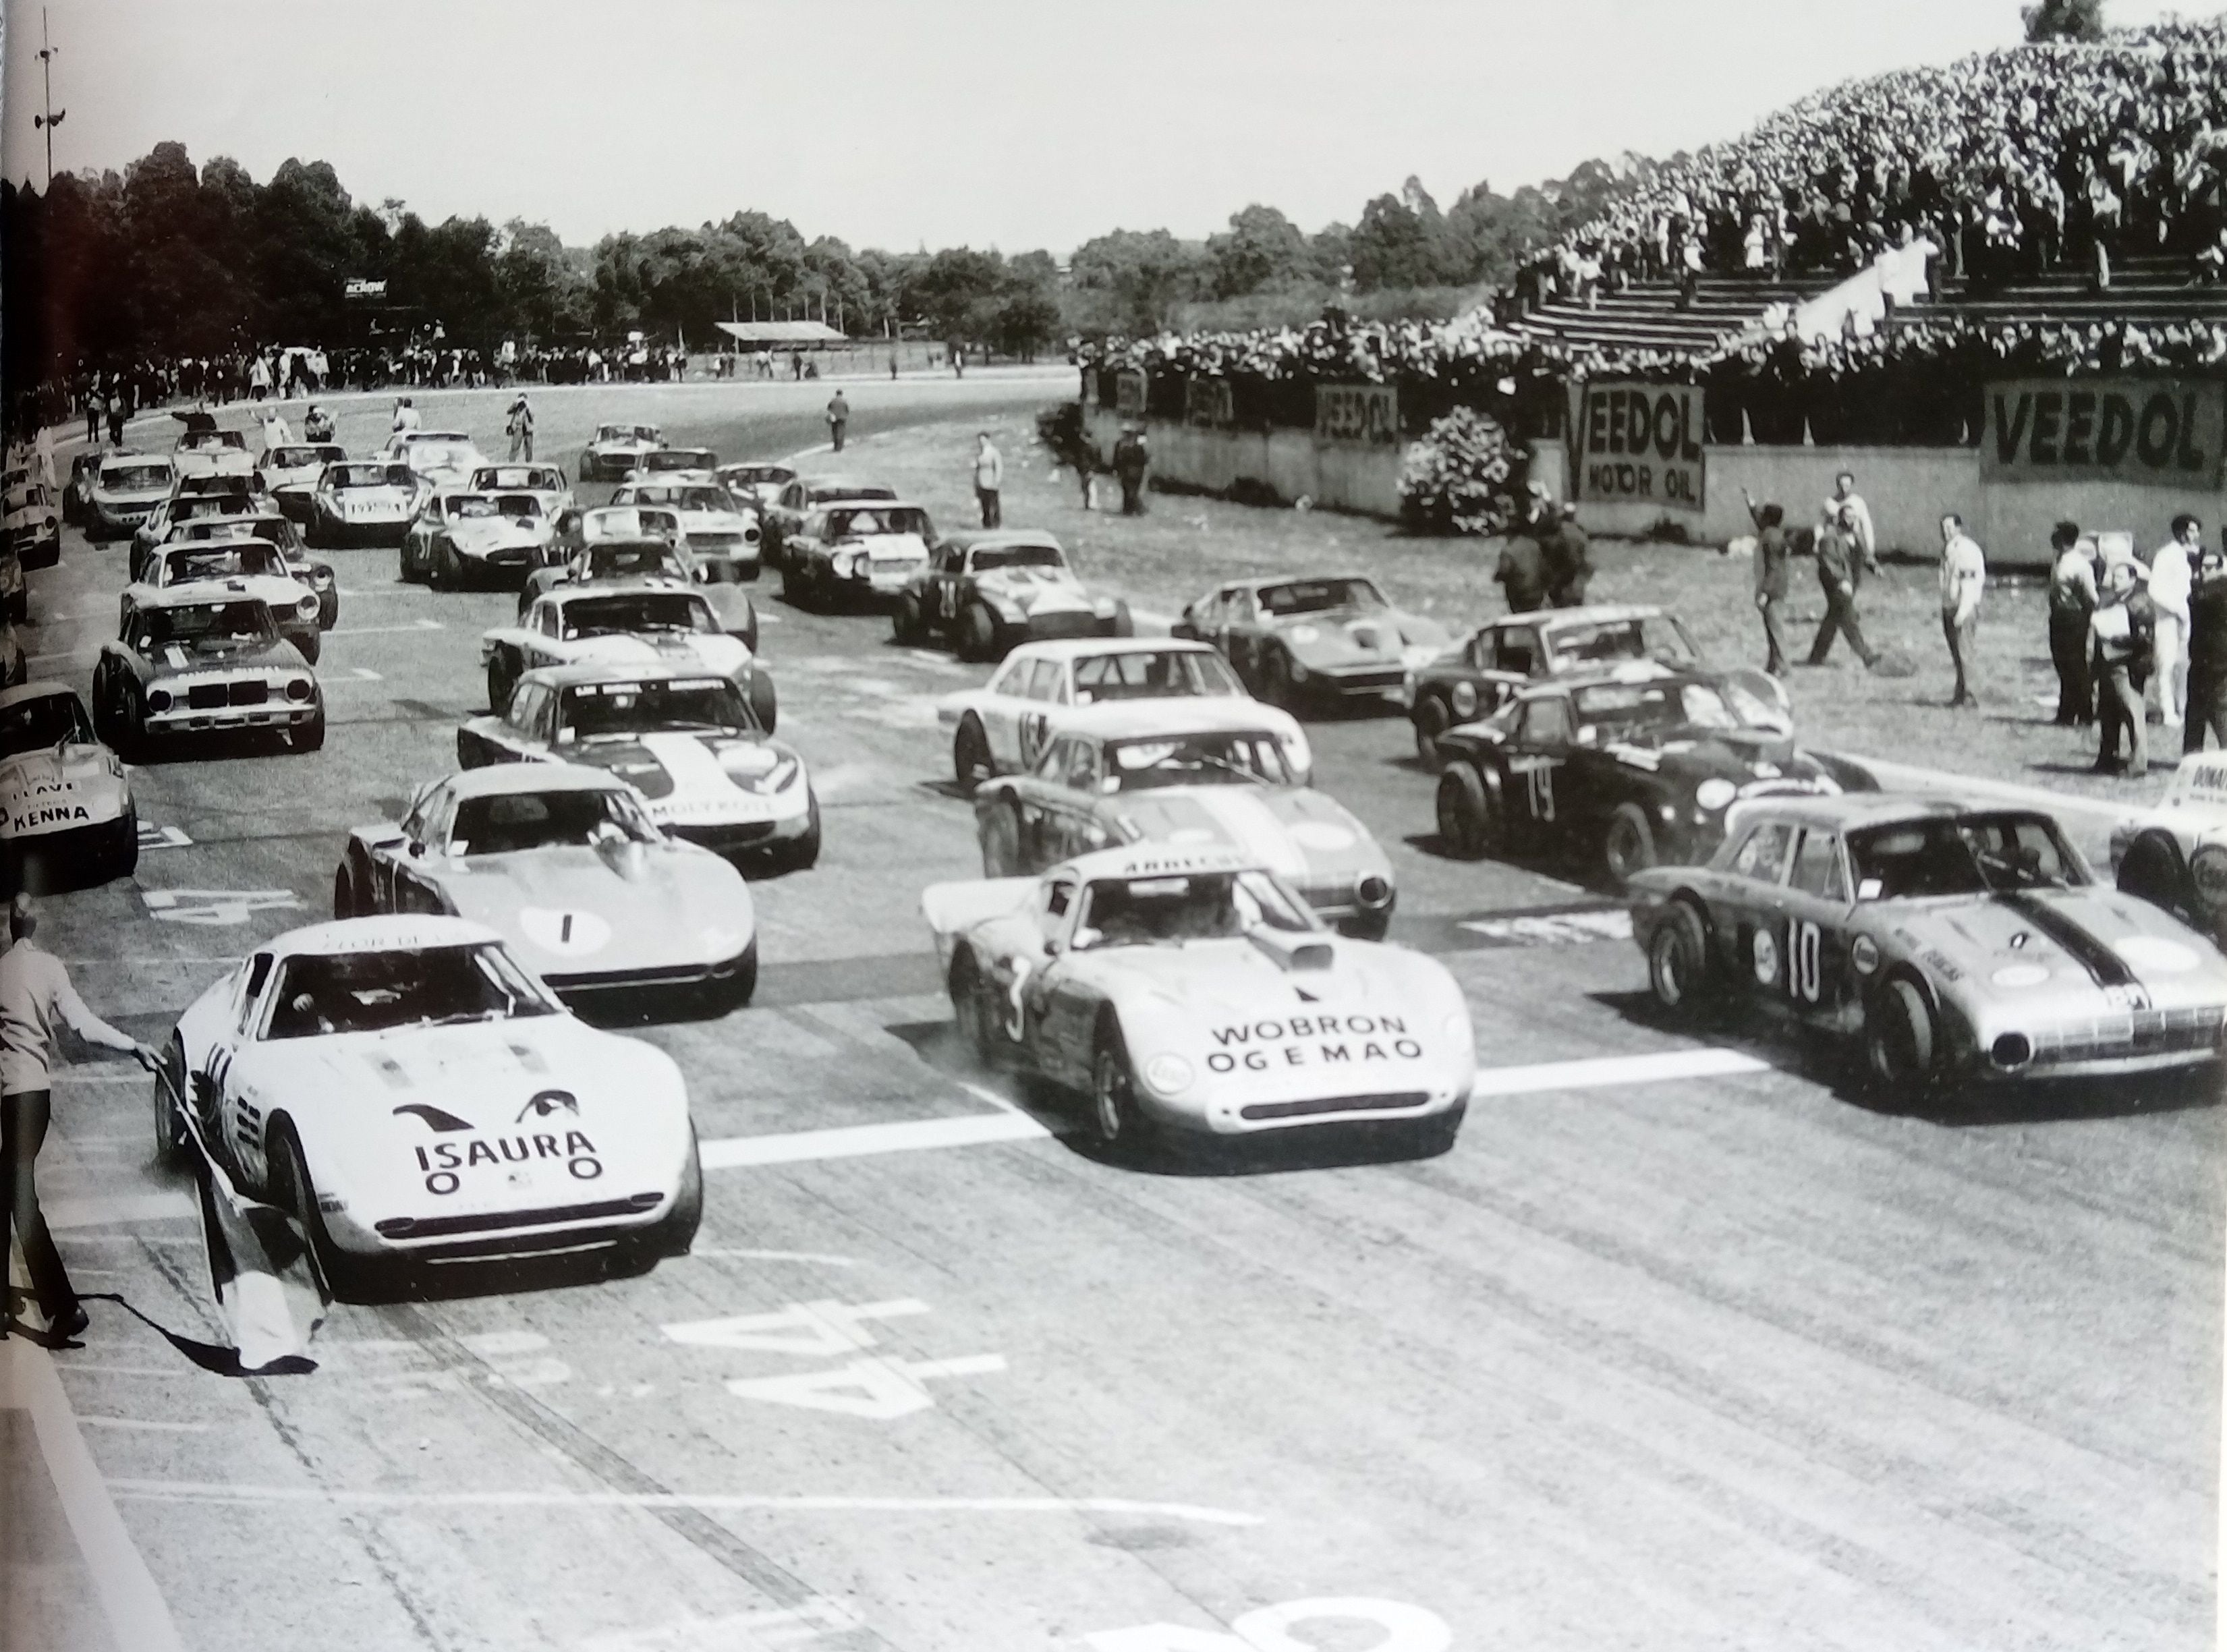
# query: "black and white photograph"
[[1244, 825]]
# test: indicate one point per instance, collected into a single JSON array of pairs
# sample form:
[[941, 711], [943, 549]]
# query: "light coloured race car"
[[712, 528], [1190, 773], [439, 458], [32, 521], [2175, 855], [459, 538], [984, 593], [614, 449], [707, 768], [545, 482], [854, 553], [289, 473], [409, 1091], [66, 816], [605, 618], [204, 450], [662, 461], [236, 565], [757, 481], [271, 529], [800, 497], [1190, 993], [175, 512], [364, 501], [1002, 727], [584, 889], [202, 661], [1952, 942], [1299, 643], [123, 490], [633, 561]]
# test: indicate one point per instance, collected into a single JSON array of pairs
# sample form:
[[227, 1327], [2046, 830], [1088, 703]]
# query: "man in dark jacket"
[[1837, 557], [2122, 631], [2207, 653], [1567, 553], [2071, 600], [1522, 573], [1770, 554], [1132, 458]]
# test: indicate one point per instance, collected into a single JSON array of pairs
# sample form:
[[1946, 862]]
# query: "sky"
[[898, 124]]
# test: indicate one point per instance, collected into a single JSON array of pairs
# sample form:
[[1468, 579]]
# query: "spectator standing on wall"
[[2122, 630], [989, 477], [1963, 576], [839, 420], [2171, 577], [1770, 554], [1568, 555], [2071, 602], [2207, 653], [1837, 562]]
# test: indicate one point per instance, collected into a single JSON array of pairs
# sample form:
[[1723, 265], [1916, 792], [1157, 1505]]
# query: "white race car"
[[364, 501], [290, 473], [545, 482], [124, 490], [409, 1091], [243, 566], [756, 481], [712, 525], [2175, 855], [33, 522], [614, 449], [441, 458], [459, 537], [1002, 727], [210, 452], [649, 619], [1191, 993], [66, 817], [565, 864]]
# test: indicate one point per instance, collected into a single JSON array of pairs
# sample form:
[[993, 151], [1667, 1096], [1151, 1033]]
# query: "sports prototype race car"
[[1475, 677], [545, 482], [459, 538], [32, 524], [614, 449], [986, 592], [409, 1092], [854, 553], [1185, 773], [756, 484], [1002, 727], [364, 501], [631, 562], [712, 526], [66, 817], [125, 487], [564, 863], [690, 742], [202, 659], [1302, 642], [660, 461], [651, 618], [1191, 994], [289, 473], [1955, 941], [238, 566], [1636, 765], [801, 496], [439, 458]]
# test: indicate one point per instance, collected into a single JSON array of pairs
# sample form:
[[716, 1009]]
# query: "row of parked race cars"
[[1172, 920]]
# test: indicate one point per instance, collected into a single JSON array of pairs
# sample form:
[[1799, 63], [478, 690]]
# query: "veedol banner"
[[2151, 433], [1640, 445], [1357, 413]]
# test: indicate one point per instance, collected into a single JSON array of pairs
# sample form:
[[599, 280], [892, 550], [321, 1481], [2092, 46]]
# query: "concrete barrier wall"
[[1294, 464]]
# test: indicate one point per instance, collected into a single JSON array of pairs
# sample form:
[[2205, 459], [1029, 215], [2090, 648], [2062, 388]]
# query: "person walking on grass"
[[1569, 559], [36, 999], [1132, 458], [2121, 632], [1770, 553], [1963, 576], [989, 478], [2207, 654], [2173, 568], [2071, 600], [1837, 557], [520, 428], [839, 420]]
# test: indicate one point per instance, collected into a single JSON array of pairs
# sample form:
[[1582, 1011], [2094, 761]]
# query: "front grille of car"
[[2133, 1033], [1369, 676], [1072, 623], [717, 541], [210, 697], [724, 834], [495, 1222], [1393, 1102]]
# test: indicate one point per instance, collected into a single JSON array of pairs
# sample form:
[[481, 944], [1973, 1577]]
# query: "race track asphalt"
[[1687, 1344]]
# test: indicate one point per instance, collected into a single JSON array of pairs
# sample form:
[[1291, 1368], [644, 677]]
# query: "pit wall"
[[1907, 488]]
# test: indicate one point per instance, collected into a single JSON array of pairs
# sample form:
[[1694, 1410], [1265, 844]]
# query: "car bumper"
[[1049, 627], [1221, 1118], [2141, 1041], [469, 1236], [579, 989], [118, 519], [1343, 682], [363, 530], [741, 837], [282, 714]]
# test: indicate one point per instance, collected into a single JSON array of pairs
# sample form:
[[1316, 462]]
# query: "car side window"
[[1043, 680], [1011, 681], [1762, 854], [1547, 722], [1058, 899], [1082, 767], [259, 977], [1053, 765], [1242, 609], [1818, 866], [526, 707], [1519, 651], [547, 621]]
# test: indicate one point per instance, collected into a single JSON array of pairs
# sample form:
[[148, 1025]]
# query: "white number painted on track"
[[809, 1329], [1558, 929], [774, 1627], [875, 1388], [161, 837], [1400, 1628], [1805, 953], [218, 907]]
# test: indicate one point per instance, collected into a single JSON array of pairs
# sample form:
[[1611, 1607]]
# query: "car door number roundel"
[[1805, 955]]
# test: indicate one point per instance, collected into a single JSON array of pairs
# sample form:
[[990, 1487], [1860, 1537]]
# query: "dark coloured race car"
[[1630, 766], [1308, 642], [199, 659], [1475, 677], [986, 592], [1950, 940]]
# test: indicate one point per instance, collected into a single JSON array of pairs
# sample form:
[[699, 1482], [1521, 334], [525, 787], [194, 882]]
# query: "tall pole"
[[52, 118]]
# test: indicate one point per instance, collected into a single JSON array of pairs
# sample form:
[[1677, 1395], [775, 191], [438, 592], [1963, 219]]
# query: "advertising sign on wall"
[[2155, 433], [1367, 414], [1207, 401], [1640, 445]]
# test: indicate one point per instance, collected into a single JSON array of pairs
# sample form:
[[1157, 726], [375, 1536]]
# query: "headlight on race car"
[[2207, 874], [1713, 794], [1464, 698], [158, 699], [1303, 634], [297, 688], [308, 606], [1169, 1074], [843, 564]]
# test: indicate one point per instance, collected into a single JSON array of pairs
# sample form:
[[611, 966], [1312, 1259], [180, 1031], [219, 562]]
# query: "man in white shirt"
[[407, 418], [2173, 578], [1963, 576], [989, 478], [36, 999], [1844, 497]]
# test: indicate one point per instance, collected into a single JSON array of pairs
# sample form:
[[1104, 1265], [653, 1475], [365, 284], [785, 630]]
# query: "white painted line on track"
[[133, 1605], [63, 1214], [857, 1141], [386, 630], [1604, 1071], [72, 1367], [136, 1423], [216, 1492], [719, 1253]]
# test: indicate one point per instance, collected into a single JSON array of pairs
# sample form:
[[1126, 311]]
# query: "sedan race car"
[[755, 482], [1191, 994], [33, 523], [631, 561], [1186, 773], [409, 1092], [614, 449], [564, 863], [690, 742], [712, 525], [125, 489], [364, 501], [662, 461], [205, 450], [1475, 677], [291, 475], [604, 619], [801, 496], [66, 817], [1298, 642], [1002, 727], [269, 528], [854, 553], [459, 538], [1954, 941], [202, 661], [545, 482], [985, 592], [237, 566]]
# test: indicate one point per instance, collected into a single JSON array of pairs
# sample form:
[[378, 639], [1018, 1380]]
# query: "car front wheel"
[[1001, 844], [1467, 828], [1678, 963], [1431, 721], [970, 756], [1117, 1122], [1629, 845], [1901, 1039]]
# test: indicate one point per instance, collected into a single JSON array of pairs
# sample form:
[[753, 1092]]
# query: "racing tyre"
[[311, 736], [1276, 684], [2152, 871], [1001, 844], [290, 1189], [907, 623], [1628, 846], [1117, 1123], [1902, 1044], [970, 756], [501, 678], [1467, 827], [170, 1142], [1678, 971], [1432, 719], [976, 1009], [447, 573], [978, 637]]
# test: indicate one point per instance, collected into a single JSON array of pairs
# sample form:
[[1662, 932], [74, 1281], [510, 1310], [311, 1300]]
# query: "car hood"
[[1035, 590], [280, 593], [483, 534], [369, 501], [725, 654], [2064, 945], [580, 910], [170, 661], [660, 764], [132, 496], [1293, 831], [1350, 637], [1741, 755], [60, 786]]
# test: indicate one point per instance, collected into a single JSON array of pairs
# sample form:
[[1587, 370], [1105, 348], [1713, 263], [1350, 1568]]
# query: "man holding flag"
[[35, 997]]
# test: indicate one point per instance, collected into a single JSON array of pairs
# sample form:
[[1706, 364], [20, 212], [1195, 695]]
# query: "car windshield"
[[626, 433], [472, 507], [321, 994], [46, 720], [500, 476], [1316, 596], [639, 611], [512, 823], [679, 459], [204, 628], [695, 498], [756, 475], [295, 458], [1169, 673], [625, 522], [369, 476], [523, 507], [1201, 906], [1639, 712], [211, 441], [275, 529], [904, 518], [1016, 556], [617, 561], [605, 711], [821, 495], [1969, 854], [1655, 637], [438, 455], [1249, 757], [134, 478], [236, 559]]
